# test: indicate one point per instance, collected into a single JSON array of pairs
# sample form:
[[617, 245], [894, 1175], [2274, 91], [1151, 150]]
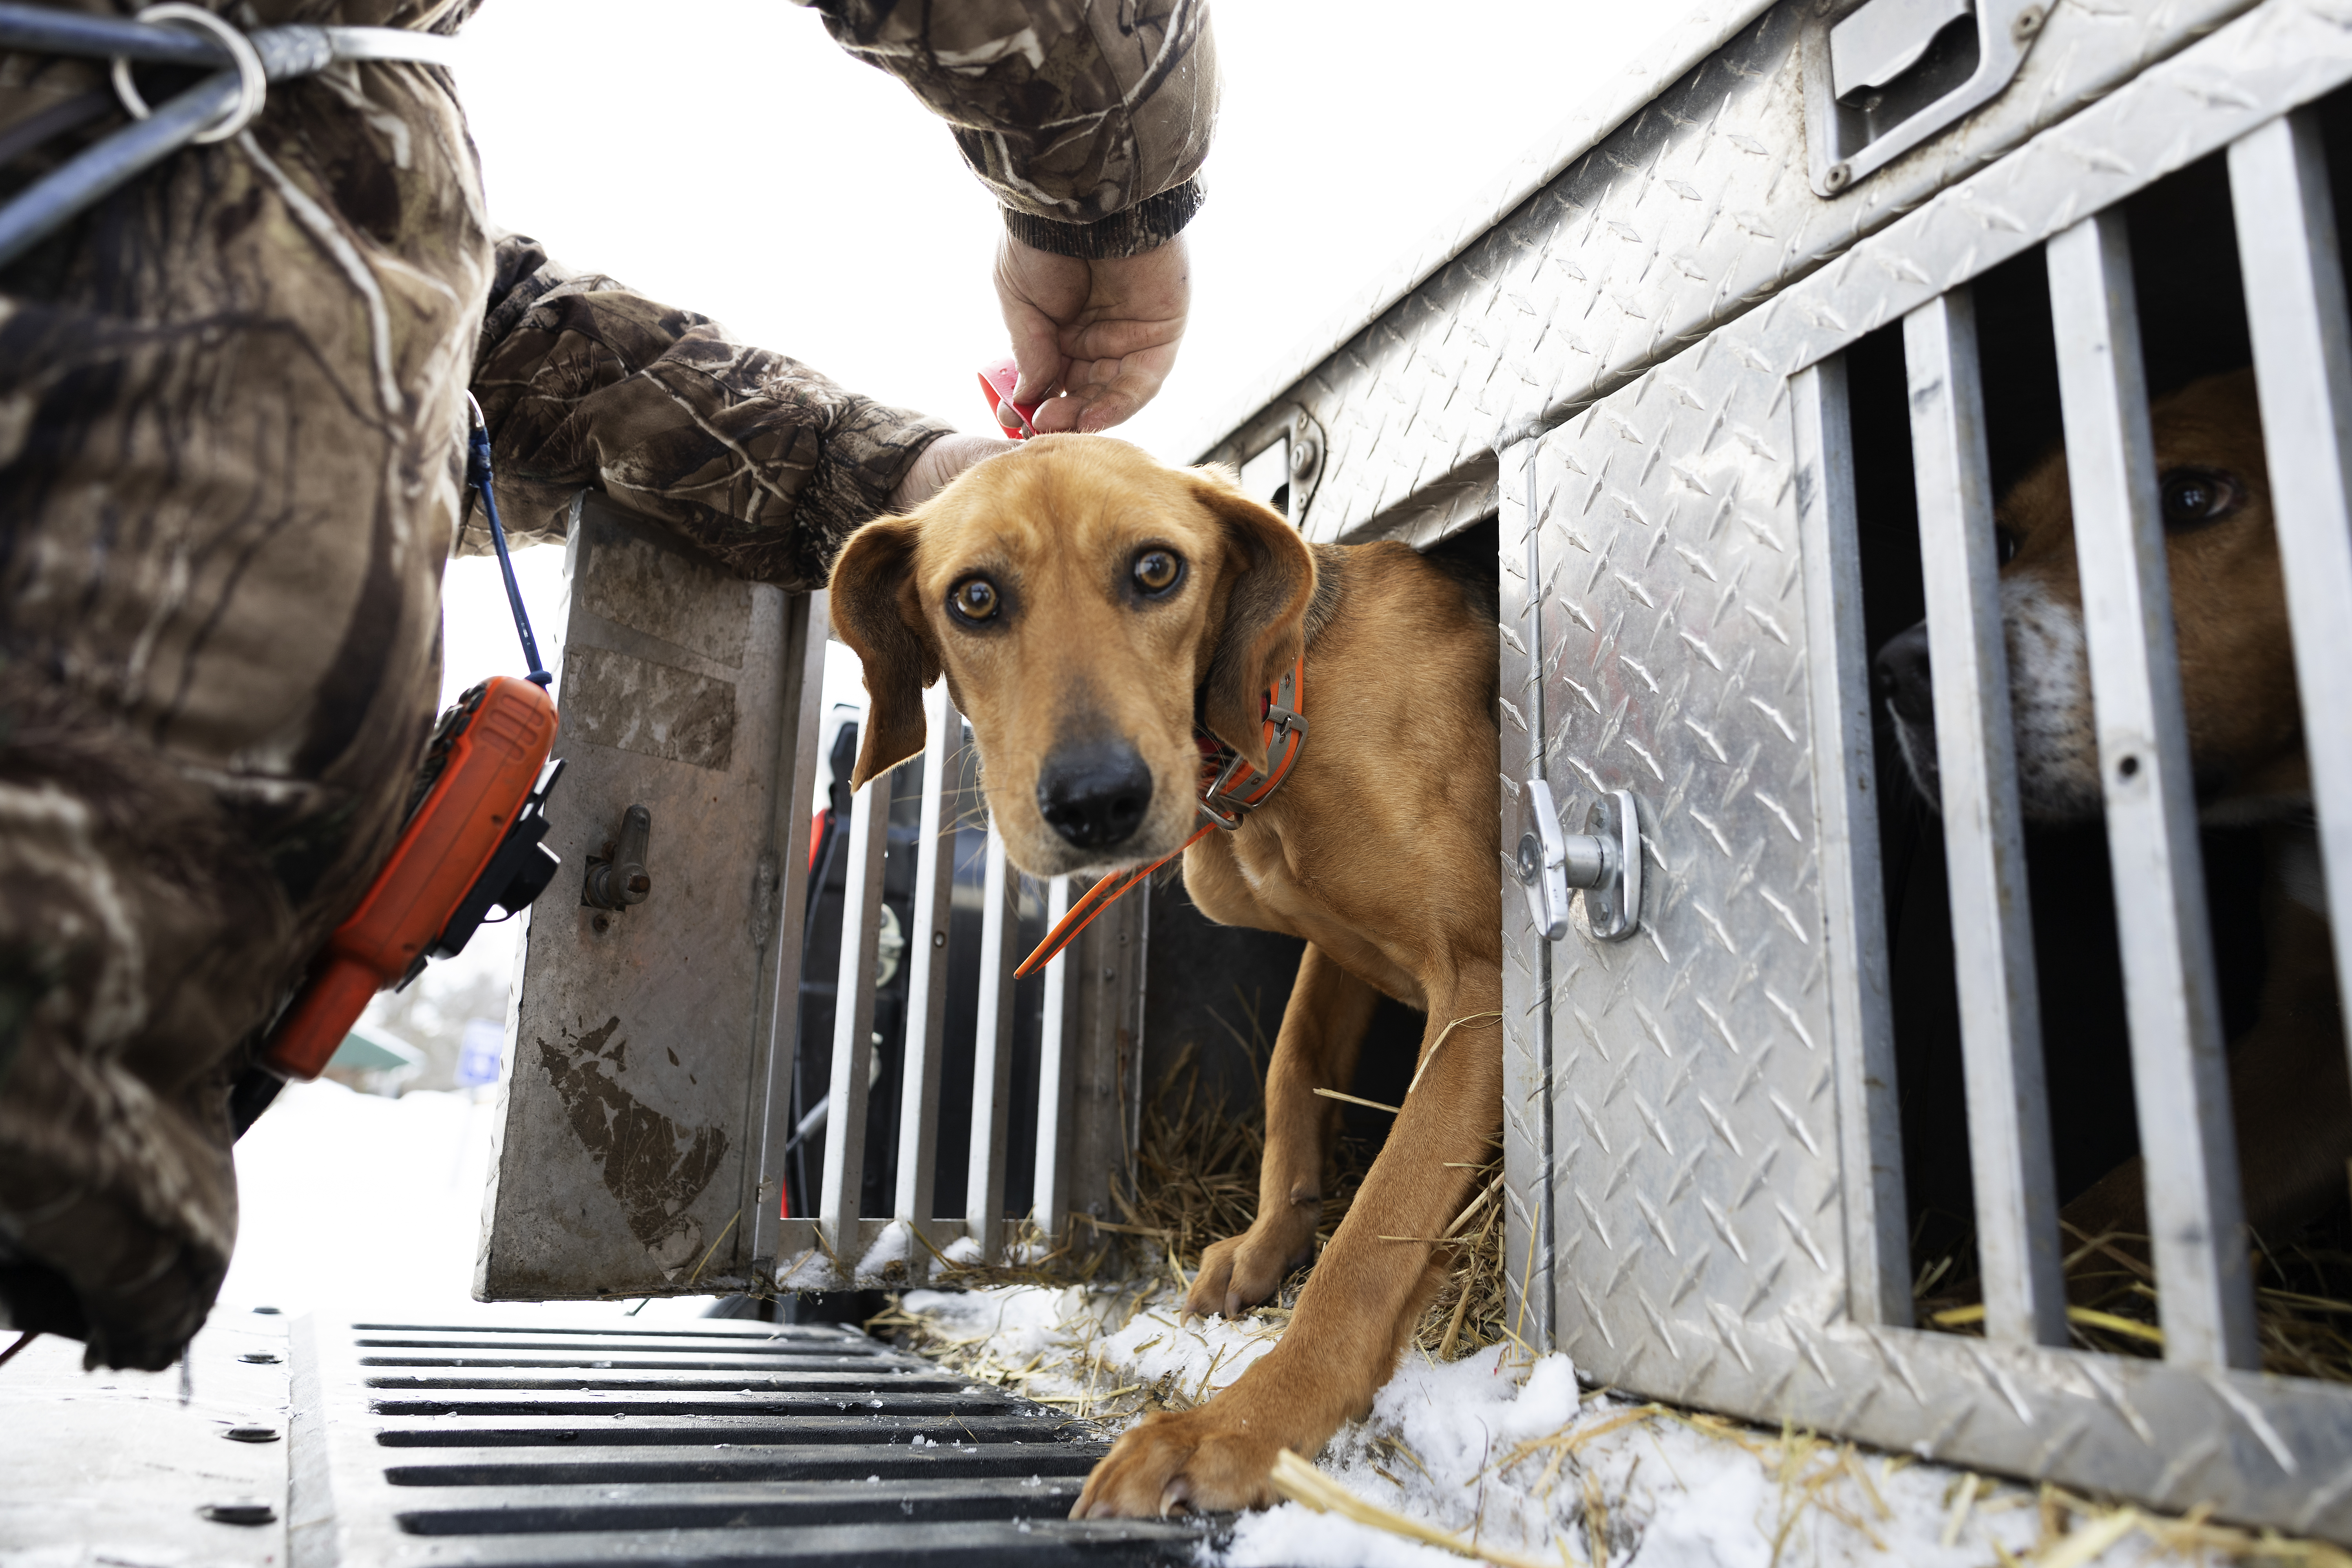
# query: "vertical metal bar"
[[780, 1031], [926, 973], [992, 1061], [1047, 1195], [2180, 1070], [1530, 1165], [1870, 1129], [1105, 1007], [1992, 931], [2302, 368], [853, 1022]]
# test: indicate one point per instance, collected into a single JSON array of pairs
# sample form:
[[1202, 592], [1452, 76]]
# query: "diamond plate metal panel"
[[1673, 222], [1701, 1211], [1694, 1110]]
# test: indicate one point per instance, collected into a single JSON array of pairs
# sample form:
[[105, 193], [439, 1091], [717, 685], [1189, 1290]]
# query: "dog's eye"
[[2004, 544], [973, 599], [1157, 570], [2196, 496]]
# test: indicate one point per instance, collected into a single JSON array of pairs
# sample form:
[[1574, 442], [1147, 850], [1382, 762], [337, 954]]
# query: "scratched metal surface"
[[1700, 1243], [1676, 221], [620, 1168]]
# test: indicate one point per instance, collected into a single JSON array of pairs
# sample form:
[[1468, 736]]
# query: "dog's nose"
[[1095, 794], [1903, 677]]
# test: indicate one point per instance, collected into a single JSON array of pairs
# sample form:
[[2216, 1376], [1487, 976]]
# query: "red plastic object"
[[996, 384], [492, 762]]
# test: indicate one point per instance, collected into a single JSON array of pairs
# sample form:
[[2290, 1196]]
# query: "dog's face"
[[1084, 603], [2229, 600]]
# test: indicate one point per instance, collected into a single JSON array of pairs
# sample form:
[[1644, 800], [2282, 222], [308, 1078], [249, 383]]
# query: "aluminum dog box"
[[1635, 353]]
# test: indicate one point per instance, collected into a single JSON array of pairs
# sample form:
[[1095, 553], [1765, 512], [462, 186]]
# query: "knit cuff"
[[1148, 225]]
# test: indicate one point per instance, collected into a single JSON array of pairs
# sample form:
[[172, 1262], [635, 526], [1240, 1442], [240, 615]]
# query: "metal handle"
[[1889, 74], [1604, 861], [619, 878]]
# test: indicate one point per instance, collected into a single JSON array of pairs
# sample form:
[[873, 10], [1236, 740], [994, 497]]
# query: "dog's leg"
[[1360, 1306], [2291, 1096], [2290, 1099], [1322, 1028]]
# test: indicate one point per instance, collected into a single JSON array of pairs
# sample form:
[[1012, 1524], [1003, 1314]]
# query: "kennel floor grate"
[[461, 1443]]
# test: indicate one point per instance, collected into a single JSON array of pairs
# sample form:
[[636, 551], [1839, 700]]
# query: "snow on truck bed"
[[1509, 1452]]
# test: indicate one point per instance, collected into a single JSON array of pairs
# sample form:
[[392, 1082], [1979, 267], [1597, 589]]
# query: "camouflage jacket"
[[231, 398]]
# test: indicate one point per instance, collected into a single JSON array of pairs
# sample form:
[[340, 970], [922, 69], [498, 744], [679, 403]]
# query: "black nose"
[[1902, 675], [1094, 793]]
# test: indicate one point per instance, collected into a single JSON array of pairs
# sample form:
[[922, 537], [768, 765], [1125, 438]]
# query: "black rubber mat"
[[462, 1443]]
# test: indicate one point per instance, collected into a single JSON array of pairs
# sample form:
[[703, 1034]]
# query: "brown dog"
[[1088, 606], [2288, 1082]]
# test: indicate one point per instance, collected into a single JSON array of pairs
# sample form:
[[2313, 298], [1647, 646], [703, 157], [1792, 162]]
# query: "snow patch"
[[1508, 1451], [893, 1246]]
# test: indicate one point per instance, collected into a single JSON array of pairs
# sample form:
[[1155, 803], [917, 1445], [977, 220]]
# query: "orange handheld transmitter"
[[473, 841]]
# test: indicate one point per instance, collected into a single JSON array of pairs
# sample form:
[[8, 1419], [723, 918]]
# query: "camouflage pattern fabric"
[[756, 457], [231, 418], [1086, 119]]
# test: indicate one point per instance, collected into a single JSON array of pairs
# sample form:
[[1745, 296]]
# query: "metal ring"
[[252, 77]]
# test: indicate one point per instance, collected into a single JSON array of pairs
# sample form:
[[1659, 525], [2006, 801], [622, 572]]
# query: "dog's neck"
[[1330, 587]]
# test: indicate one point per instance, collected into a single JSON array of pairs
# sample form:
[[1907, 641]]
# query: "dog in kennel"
[[1117, 632], [2290, 1097]]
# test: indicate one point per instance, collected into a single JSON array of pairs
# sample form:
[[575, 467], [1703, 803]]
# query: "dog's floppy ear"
[[876, 610], [1270, 582]]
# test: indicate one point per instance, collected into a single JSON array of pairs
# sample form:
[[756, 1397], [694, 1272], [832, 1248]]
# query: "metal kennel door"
[[1724, 1176], [652, 1043], [640, 1038]]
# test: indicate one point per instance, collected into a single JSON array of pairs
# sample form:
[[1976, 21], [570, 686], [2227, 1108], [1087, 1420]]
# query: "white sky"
[[724, 156]]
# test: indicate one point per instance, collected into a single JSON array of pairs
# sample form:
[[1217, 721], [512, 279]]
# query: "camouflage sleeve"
[[1087, 120], [756, 457]]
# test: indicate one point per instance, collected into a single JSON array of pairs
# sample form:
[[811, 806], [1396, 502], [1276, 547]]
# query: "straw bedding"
[[2303, 1297], [1548, 1472]]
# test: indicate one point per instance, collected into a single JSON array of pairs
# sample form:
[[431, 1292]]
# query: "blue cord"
[[477, 474]]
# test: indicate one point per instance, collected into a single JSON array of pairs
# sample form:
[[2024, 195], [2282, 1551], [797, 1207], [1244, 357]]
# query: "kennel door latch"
[[1604, 861], [618, 878]]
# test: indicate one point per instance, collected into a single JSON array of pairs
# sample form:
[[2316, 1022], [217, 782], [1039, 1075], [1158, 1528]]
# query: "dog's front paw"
[[1200, 1461], [1242, 1270]]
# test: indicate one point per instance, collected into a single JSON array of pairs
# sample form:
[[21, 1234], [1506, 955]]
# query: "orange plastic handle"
[[492, 764]]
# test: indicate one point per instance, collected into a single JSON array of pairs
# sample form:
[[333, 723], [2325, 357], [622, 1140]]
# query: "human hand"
[[1093, 339], [941, 461]]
